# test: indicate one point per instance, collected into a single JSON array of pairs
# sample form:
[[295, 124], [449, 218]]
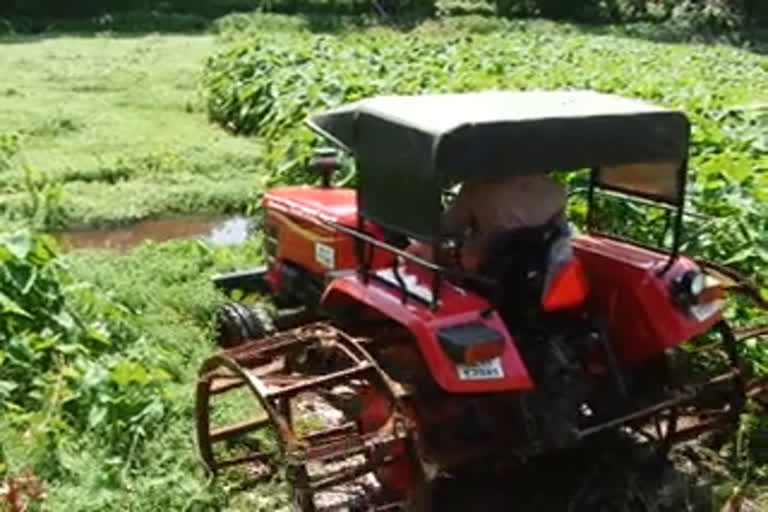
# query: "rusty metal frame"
[[247, 366]]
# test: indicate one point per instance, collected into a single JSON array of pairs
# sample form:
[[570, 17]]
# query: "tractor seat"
[[519, 261], [520, 251], [313, 203]]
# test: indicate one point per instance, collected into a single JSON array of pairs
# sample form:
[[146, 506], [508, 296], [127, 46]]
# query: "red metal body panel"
[[297, 216], [273, 276], [626, 289], [456, 306], [329, 204]]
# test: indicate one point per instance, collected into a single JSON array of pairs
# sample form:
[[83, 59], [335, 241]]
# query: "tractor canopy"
[[409, 148]]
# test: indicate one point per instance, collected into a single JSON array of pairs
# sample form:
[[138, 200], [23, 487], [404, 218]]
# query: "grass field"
[[142, 457], [113, 128], [116, 122]]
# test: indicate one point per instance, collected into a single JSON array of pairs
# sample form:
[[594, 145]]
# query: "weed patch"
[[96, 356]]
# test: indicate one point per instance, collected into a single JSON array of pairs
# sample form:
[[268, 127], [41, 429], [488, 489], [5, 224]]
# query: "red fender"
[[456, 306], [627, 289]]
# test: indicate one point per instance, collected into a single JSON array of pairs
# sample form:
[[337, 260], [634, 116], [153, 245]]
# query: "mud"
[[606, 475], [218, 232]]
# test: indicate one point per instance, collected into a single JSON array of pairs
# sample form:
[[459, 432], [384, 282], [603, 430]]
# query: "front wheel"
[[237, 323]]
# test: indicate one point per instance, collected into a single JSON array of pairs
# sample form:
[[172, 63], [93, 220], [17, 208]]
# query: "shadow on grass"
[[754, 39], [333, 18], [321, 18]]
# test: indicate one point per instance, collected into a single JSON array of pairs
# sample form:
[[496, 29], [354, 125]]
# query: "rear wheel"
[[684, 393]]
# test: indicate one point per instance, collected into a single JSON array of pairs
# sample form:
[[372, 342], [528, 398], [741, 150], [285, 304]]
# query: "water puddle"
[[219, 232]]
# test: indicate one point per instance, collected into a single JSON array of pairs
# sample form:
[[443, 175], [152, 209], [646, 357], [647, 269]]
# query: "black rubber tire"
[[237, 323]]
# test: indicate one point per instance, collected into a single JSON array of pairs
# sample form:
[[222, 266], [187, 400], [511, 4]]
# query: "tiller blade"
[[689, 409], [323, 412]]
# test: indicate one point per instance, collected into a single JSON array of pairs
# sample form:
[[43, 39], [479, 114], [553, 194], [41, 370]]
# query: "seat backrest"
[[518, 261]]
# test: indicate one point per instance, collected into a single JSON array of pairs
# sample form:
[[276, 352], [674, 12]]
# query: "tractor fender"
[[456, 306], [630, 288]]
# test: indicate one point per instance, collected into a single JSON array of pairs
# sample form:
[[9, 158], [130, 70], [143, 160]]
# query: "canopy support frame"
[[678, 208]]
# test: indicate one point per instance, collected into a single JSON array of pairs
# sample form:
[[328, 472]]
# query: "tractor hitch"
[[250, 281]]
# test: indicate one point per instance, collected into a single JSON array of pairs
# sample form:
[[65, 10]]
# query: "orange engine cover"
[[296, 219]]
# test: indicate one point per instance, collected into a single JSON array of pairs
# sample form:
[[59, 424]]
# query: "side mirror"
[[325, 161]]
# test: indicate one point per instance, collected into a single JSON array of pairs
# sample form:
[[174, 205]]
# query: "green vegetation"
[[98, 350], [270, 83], [98, 365], [113, 124]]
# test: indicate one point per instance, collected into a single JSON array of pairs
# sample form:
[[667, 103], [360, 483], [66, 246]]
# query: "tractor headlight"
[[689, 286], [696, 284]]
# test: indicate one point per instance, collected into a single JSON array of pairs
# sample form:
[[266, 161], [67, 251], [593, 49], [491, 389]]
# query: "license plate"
[[703, 311], [487, 370]]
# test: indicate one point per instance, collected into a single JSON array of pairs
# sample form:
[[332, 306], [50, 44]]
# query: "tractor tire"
[[237, 323]]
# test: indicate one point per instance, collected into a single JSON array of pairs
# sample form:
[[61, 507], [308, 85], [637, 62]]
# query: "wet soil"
[[219, 232], [612, 472], [605, 475]]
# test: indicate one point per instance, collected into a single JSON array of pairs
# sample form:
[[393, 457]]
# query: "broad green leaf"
[[127, 372], [742, 255], [10, 306], [96, 416], [159, 374], [100, 334], [95, 376], [18, 243], [734, 167], [30, 281], [69, 348], [13, 407], [45, 341], [761, 187], [64, 320], [71, 373], [7, 387]]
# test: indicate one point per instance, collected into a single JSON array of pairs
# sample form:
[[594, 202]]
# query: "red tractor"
[[381, 370]]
